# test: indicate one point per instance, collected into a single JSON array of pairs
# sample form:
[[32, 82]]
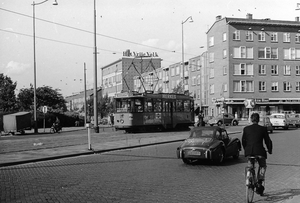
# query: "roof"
[[264, 22]]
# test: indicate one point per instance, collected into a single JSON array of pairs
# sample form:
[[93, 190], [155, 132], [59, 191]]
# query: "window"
[[225, 87], [243, 52], [194, 79], [291, 53], [243, 86], [173, 71], [211, 41], [262, 86], [249, 35], [198, 79], [224, 53], [211, 72], [267, 53], [261, 36], [274, 37], [274, 69], [212, 89], [198, 94], [243, 69], [297, 86], [274, 86], [297, 38], [177, 70], [224, 70], [262, 69], [297, 70], [286, 70], [236, 35], [286, 37], [224, 36], [287, 86], [211, 57]]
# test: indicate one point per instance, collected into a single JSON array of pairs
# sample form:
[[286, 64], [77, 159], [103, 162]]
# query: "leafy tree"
[[7, 94], [45, 96]]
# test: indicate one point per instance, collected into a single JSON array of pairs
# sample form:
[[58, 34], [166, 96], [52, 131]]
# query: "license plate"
[[193, 152]]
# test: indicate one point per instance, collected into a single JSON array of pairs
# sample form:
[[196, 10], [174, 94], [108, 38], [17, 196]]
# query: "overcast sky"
[[65, 40]]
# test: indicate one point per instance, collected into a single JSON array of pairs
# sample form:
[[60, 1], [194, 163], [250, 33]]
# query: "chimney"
[[249, 16], [297, 19], [219, 17]]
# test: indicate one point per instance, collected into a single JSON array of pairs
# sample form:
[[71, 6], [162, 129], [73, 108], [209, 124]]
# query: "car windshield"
[[277, 116], [202, 133]]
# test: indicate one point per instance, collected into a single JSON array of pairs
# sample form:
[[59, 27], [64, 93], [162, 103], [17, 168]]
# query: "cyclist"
[[252, 140]]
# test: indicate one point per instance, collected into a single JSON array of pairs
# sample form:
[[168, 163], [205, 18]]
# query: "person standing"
[[253, 139]]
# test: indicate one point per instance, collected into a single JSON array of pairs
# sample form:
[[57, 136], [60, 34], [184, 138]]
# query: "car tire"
[[234, 123], [237, 155], [211, 124], [219, 123], [221, 157]]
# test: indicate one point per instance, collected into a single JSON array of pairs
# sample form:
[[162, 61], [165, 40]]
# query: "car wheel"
[[286, 127], [234, 123], [220, 157], [237, 154], [211, 124], [219, 123]]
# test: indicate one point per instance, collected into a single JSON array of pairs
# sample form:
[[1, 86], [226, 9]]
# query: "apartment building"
[[118, 76], [253, 61]]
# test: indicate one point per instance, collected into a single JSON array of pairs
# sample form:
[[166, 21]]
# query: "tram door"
[[168, 114]]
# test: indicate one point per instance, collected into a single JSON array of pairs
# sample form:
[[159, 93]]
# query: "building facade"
[[118, 76], [256, 61]]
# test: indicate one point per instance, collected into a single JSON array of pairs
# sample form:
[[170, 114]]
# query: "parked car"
[[295, 120], [280, 120], [207, 118], [265, 121], [208, 143], [229, 119]]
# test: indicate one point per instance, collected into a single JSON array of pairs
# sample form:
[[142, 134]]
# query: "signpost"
[[44, 109]]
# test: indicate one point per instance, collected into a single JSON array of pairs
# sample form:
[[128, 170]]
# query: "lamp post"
[[190, 20], [96, 127], [34, 64]]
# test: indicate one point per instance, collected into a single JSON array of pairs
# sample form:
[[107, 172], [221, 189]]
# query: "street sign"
[[45, 109]]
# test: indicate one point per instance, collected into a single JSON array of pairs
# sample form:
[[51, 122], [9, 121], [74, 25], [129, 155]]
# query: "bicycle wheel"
[[249, 186]]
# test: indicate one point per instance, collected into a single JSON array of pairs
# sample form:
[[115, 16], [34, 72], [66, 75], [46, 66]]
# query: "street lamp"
[[34, 63], [190, 20]]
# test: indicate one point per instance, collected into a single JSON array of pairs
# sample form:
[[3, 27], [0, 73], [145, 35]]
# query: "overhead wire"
[[90, 32]]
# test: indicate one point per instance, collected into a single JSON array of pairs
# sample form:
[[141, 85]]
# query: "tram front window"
[[123, 105]]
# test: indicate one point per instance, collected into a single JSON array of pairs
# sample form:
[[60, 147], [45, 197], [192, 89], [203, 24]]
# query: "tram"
[[138, 112]]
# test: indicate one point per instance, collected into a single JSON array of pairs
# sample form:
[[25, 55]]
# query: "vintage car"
[[208, 143], [280, 120], [227, 118], [294, 120]]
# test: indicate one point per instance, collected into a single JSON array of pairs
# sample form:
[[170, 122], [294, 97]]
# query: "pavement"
[[32, 147]]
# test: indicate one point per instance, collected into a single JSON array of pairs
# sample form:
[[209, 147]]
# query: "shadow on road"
[[280, 195]]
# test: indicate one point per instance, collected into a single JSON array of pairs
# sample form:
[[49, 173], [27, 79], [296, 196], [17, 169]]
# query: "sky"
[[65, 34]]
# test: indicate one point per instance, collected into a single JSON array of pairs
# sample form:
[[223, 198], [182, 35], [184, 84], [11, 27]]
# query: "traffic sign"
[[45, 109]]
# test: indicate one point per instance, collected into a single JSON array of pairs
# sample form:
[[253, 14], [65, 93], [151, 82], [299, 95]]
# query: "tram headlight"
[[122, 121]]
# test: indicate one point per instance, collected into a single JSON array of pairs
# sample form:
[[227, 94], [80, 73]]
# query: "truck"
[[17, 122]]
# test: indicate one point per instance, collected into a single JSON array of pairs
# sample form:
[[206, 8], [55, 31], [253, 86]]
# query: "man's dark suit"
[[252, 140]]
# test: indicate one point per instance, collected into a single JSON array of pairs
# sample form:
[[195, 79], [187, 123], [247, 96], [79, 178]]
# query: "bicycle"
[[252, 180]]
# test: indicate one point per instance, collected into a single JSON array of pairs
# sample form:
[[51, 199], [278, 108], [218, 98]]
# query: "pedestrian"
[[112, 119], [200, 119]]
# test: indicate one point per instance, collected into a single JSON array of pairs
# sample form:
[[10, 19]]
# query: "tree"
[[7, 94], [45, 96]]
